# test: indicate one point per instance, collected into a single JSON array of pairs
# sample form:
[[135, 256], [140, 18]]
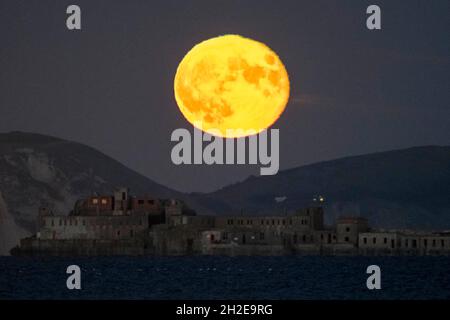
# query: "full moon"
[[231, 83]]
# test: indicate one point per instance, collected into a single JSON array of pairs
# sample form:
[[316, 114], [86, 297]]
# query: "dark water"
[[225, 278]]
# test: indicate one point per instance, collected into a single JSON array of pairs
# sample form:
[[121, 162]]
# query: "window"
[[118, 233], [151, 201], [365, 240], [434, 242], [104, 201], [374, 240], [425, 242], [414, 243], [284, 222], [225, 236], [347, 229], [385, 240], [346, 239], [406, 243], [273, 221], [442, 243], [131, 233], [261, 236], [262, 221], [95, 201], [84, 222], [53, 223], [290, 221], [304, 238], [140, 202]]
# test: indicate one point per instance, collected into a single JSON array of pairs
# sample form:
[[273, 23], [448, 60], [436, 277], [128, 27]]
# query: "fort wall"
[[124, 225]]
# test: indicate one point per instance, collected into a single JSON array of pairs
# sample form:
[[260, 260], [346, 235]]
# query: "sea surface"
[[215, 277]]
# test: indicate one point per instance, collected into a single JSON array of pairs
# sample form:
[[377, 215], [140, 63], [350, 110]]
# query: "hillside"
[[401, 188]]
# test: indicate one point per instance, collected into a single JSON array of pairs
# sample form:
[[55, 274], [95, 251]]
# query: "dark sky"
[[110, 85]]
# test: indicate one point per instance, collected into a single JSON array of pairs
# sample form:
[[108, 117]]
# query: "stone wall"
[[91, 227], [86, 247]]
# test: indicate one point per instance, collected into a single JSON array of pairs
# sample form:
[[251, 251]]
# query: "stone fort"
[[122, 224]]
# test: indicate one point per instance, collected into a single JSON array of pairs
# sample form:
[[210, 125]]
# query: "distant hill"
[[401, 188], [37, 169]]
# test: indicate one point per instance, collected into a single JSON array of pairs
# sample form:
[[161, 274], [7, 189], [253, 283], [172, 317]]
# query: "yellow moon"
[[230, 86]]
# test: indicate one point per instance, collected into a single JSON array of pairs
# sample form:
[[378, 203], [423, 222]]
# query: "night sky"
[[110, 85]]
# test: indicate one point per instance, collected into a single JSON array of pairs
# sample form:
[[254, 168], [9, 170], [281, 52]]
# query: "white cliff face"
[[10, 232], [30, 180], [40, 168]]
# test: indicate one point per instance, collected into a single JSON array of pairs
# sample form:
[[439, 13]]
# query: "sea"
[[226, 278]]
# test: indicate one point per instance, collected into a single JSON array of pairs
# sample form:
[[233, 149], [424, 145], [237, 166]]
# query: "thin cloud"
[[310, 100]]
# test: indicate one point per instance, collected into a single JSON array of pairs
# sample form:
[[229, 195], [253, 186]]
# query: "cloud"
[[410, 56], [310, 100]]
